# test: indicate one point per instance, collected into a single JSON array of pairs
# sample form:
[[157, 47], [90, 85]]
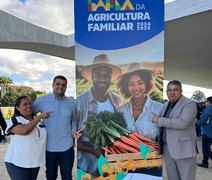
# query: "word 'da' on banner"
[[100, 22]]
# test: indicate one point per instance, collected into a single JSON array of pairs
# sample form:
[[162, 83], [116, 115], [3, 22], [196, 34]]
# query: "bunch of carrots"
[[108, 131]]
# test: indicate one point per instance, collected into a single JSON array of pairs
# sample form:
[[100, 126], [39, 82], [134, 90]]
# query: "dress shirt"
[[60, 124], [143, 125], [167, 113]]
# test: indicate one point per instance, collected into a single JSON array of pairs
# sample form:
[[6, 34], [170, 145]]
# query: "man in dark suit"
[[178, 135], [3, 125]]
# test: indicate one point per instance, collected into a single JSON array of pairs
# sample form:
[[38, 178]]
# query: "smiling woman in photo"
[[136, 85]]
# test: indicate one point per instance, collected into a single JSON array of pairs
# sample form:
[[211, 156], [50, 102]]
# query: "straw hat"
[[133, 67], [101, 60], [146, 75]]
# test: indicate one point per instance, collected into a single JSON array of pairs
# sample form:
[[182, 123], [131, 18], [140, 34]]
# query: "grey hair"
[[175, 82]]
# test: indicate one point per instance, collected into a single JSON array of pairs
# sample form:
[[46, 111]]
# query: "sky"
[[55, 15], [35, 69], [151, 50]]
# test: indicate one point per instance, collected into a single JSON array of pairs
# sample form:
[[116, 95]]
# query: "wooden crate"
[[136, 158]]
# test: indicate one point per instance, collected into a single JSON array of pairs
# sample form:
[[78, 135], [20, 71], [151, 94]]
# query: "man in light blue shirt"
[[60, 126]]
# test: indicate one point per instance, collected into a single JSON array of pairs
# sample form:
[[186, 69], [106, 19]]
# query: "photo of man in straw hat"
[[96, 99]]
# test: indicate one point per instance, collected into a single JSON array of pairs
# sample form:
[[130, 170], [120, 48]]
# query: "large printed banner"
[[119, 52]]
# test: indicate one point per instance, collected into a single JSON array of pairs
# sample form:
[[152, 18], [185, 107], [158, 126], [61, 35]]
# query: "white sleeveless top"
[[27, 151]]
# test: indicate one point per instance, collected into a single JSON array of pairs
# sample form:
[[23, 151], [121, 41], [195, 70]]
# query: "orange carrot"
[[137, 142], [106, 150], [154, 144], [152, 148], [132, 136], [112, 150], [124, 139], [117, 150], [142, 138], [124, 146], [148, 144], [122, 150]]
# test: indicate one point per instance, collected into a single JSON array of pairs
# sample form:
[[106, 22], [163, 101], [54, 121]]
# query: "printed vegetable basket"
[[134, 159], [128, 149]]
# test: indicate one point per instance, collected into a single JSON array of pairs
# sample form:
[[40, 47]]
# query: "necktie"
[[167, 114]]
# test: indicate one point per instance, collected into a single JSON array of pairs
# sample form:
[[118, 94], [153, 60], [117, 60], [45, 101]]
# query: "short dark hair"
[[175, 82], [59, 77], [209, 99], [18, 102], [146, 75]]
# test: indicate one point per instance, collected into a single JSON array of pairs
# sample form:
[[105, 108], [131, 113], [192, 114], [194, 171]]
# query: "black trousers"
[[19, 173], [206, 148], [63, 159]]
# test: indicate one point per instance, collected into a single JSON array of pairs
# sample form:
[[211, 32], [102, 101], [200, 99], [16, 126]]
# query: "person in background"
[[98, 98], [200, 108], [61, 128], [136, 85], [206, 122], [3, 126], [178, 133], [26, 150]]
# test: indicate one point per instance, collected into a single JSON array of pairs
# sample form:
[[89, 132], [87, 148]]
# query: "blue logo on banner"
[[116, 24]]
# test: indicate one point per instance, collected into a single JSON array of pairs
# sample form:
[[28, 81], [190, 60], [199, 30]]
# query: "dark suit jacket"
[[2, 124], [180, 126]]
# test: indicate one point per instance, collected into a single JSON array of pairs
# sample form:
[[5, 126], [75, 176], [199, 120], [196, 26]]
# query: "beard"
[[101, 88]]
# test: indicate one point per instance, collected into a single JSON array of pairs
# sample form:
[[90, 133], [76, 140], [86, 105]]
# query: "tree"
[[9, 99], [4, 80], [198, 96], [14, 92], [4, 83]]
